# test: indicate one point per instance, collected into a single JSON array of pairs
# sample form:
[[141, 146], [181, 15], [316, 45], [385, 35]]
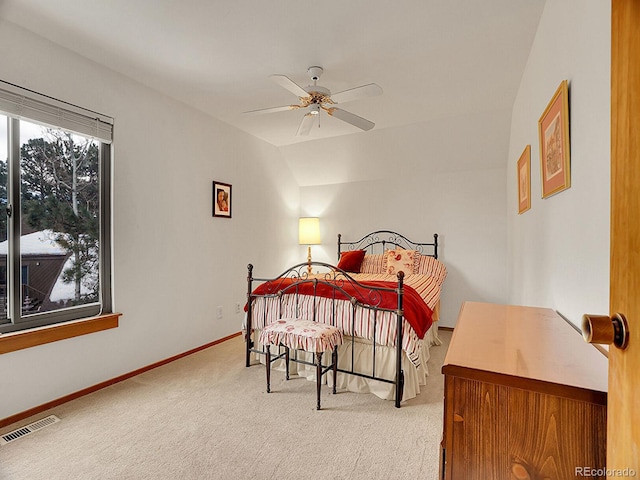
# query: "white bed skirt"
[[414, 377]]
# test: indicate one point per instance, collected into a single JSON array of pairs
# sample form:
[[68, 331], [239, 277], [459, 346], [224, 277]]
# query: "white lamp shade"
[[309, 231]]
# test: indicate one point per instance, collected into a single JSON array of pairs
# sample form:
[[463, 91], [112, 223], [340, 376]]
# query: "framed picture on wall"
[[222, 200], [553, 130], [524, 180]]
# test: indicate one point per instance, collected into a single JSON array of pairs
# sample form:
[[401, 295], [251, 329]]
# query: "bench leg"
[[318, 375], [268, 362], [334, 359], [286, 360]]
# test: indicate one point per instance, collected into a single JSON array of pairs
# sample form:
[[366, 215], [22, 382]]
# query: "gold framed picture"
[[553, 130], [524, 180]]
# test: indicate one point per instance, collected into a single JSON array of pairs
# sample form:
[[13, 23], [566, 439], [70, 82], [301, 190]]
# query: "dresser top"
[[530, 343]]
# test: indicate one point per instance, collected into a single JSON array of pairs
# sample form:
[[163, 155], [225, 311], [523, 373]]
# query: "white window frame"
[[18, 103]]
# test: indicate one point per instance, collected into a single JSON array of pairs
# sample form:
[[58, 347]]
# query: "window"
[[54, 211]]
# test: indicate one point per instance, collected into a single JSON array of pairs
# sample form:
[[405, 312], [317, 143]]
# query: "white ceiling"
[[432, 58]]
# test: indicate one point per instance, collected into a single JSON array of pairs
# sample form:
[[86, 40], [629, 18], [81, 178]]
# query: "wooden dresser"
[[524, 397]]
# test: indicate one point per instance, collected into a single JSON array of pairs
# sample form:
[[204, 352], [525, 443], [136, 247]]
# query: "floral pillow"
[[398, 260]]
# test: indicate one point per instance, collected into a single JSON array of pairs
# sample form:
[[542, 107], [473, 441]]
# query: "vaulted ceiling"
[[432, 58]]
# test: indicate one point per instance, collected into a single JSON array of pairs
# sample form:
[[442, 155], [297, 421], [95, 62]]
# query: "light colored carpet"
[[206, 416]]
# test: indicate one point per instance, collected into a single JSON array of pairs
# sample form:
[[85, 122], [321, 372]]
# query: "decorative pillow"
[[372, 263], [401, 260], [351, 261]]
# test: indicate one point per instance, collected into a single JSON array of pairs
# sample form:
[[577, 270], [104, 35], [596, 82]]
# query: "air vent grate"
[[27, 429]]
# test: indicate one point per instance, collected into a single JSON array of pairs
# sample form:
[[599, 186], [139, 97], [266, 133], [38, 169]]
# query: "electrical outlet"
[[219, 311], [238, 307]]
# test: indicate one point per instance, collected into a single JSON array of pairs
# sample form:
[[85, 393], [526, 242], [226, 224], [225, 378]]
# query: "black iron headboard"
[[386, 238]]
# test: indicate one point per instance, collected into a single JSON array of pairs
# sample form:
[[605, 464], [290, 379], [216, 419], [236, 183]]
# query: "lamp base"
[[309, 260]]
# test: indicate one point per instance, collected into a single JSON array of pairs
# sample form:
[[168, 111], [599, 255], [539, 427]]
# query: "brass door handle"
[[606, 330]]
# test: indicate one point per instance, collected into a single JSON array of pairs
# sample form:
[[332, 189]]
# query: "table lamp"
[[309, 234]]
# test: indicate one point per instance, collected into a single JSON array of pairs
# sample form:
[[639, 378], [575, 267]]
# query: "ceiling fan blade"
[[290, 85], [272, 110], [306, 124], [370, 90], [355, 120]]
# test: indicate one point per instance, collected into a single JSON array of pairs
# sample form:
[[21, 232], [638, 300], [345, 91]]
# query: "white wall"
[[173, 262], [559, 250], [444, 177]]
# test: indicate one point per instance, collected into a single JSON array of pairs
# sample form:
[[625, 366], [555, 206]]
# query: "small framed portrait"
[[222, 200], [553, 129], [524, 180]]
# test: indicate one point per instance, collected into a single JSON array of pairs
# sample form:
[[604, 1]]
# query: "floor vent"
[[27, 429]]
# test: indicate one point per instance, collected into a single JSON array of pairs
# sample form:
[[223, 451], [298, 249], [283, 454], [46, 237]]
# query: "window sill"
[[10, 342]]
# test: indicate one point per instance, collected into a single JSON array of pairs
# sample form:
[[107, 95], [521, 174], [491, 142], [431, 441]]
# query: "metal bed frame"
[[384, 237], [361, 296]]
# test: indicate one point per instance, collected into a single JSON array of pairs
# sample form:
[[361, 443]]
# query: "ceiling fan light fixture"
[[315, 97]]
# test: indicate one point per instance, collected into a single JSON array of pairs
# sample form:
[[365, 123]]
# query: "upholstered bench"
[[306, 335]]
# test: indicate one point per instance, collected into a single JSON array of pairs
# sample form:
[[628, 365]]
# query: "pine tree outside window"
[[54, 211]]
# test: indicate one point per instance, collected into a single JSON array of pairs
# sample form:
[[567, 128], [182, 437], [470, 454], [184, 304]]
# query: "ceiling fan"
[[314, 98]]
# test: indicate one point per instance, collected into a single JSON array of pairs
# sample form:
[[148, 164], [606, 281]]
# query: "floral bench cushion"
[[301, 334]]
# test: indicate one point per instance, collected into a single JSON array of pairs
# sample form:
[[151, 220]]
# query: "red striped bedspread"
[[421, 293], [427, 286]]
